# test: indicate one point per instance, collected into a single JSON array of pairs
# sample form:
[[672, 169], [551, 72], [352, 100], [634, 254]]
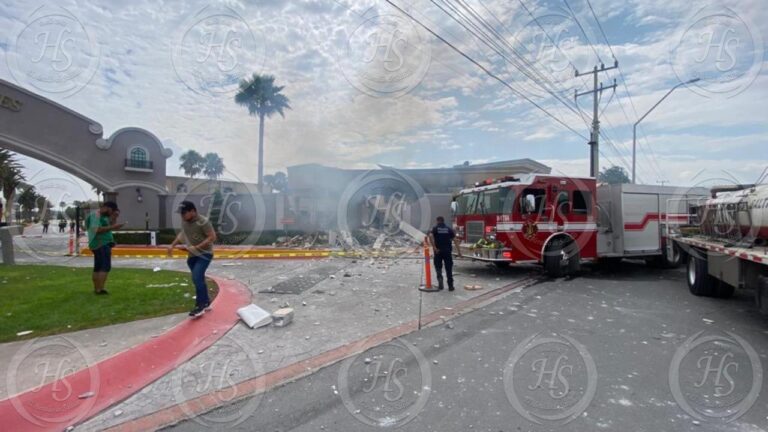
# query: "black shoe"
[[102, 292], [197, 311], [450, 287], [208, 307]]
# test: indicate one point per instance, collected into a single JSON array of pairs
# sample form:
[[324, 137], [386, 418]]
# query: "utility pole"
[[594, 137], [662, 182]]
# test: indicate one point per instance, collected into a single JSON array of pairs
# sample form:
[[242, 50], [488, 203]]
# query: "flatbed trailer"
[[725, 244]]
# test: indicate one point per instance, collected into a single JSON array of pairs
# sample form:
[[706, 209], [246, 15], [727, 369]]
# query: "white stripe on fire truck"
[[571, 226]]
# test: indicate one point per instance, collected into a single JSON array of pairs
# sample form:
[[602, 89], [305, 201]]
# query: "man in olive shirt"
[[100, 242], [199, 235]]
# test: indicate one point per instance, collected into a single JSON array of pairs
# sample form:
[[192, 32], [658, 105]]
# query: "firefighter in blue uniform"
[[442, 238]]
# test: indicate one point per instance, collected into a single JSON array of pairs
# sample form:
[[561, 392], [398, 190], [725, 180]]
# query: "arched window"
[[139, 155], [138, 158]]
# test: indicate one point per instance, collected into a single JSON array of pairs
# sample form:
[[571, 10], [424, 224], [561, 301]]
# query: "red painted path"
[[57, 405]]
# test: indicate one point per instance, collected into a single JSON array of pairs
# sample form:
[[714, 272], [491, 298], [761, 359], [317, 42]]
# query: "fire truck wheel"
[[561, 257], [699, 280], [761, 295]]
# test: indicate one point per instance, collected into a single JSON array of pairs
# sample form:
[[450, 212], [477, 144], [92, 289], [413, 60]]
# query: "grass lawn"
[[52, 299]]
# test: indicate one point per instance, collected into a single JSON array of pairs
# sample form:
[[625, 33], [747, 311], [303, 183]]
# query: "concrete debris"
[[282, 317]]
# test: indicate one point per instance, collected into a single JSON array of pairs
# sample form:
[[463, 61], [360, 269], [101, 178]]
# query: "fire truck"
[[561, 222], [725, 240]]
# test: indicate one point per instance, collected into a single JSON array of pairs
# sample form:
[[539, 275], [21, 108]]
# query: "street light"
[[634, 128]]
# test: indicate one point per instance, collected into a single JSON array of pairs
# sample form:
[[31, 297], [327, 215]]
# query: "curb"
[[108, 382], [175, 414]]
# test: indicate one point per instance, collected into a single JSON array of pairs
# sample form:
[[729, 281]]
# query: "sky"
[[423, 84]]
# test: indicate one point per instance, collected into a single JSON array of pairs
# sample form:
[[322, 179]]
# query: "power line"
[[575, 18], [653, 161], [484, 69], [487, 40]]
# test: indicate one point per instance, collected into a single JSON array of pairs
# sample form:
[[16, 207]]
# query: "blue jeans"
[[198, 264]]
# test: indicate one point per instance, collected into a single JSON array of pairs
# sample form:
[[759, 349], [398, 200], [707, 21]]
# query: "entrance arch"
[[37, 127]]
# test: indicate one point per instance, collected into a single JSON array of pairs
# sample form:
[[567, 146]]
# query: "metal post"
[[634, 128], [77, 230]]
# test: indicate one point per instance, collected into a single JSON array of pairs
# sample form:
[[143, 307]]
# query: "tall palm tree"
[[192, 163], [213, 166], [263, 99]]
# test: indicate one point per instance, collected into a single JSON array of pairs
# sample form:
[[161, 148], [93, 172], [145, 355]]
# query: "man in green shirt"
[[199, 235], [100, 242]]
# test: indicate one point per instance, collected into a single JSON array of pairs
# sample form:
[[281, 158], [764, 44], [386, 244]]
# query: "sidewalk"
[[337, 301]]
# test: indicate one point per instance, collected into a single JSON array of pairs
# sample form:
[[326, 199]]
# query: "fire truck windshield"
[[489, 201]]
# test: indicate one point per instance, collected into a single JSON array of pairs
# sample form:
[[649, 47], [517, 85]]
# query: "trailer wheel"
[[699, 280], [666, 261], [761, 295]]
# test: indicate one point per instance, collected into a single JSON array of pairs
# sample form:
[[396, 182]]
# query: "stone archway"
[[129, 166]]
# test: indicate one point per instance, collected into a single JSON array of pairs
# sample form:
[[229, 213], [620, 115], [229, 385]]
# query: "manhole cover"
[[299, 284]]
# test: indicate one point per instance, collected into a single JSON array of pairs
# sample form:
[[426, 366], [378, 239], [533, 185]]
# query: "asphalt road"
[[622, 349]]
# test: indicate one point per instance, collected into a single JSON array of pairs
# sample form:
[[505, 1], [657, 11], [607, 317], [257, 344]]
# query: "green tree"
[[27, 200], [192, 163], [213, 166], [10, 177], [277, 182], [613, 175], [263, 99]]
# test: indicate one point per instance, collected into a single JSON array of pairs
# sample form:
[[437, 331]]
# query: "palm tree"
[[213, 166], [11, 178], [192, 163], [263, 99]]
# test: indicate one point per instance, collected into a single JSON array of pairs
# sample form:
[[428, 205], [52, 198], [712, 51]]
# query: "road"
[[615, 350]]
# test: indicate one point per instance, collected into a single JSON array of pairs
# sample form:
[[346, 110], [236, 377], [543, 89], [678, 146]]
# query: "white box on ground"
[[282, 317], [254, 316]]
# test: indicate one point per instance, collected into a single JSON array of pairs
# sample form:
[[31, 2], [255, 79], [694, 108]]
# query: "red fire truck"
[[561, 222]]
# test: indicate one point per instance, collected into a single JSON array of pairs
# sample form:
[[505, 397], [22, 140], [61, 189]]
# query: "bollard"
[[427, 268]]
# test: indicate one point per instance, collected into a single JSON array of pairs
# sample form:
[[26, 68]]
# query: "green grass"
[[51, 299]]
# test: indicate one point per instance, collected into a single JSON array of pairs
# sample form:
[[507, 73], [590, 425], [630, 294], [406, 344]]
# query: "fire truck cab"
[[532, 218], [562, 221]]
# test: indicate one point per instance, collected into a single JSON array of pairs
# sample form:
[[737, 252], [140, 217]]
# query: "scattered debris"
[[449, 325], [156, 269], [118, 413], [87, 395], [24, 333], [254, 316], [472, 287], [282, 317]]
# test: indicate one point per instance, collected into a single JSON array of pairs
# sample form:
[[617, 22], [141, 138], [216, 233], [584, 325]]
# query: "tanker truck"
[[726, 242]]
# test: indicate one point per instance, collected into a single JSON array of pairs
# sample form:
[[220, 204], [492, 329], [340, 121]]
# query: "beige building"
[[129, 166]]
